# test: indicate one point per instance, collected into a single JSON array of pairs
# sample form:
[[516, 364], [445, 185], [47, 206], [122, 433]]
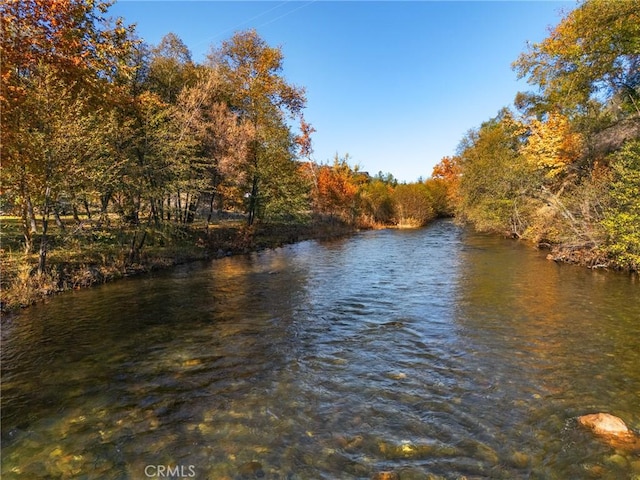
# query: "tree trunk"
[[56, 216], [74, 210], [179, 207], [185, 214], [42, 257], [104, 205], [211, 201], [26, 230], [193, 208], [134, 250], [253, 200], [154, 211], [85, 202], [31, 215]]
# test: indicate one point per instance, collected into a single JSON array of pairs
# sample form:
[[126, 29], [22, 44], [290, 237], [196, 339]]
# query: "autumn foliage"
[[335, 190], [553, 145], [560, 169], [99, 126], [70, 37], [447, 172]]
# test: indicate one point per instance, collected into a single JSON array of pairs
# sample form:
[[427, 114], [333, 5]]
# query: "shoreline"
[[219, 242], [584, 255], [224, 240]]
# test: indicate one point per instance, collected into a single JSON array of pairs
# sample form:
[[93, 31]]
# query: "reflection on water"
[[432, 354]]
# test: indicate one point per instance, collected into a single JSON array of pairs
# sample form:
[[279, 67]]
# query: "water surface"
[[434, 353]]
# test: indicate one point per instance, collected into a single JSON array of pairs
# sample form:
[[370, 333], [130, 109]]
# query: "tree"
[[376, 198], [438, 191], [58, 137], [552, 146], [70, 37], [284, 194], [447, 174], [60, 62], [258, 93], [337, 190], [592, 55], [548, 176], [496, 181], [221, 139], [145, 143], [170, 68]]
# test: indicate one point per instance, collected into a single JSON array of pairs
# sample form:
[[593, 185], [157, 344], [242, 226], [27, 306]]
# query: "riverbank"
[[583, 255], [586, 254], [113, 253]]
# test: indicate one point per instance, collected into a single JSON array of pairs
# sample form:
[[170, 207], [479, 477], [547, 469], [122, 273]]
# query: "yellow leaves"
[[552, 145], [151, 100], [64, 36], [593, 50], [252, 70]]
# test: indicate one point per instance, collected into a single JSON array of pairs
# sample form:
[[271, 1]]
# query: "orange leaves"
[[58, 45], [59, 60], [335, 189], [62, 36], [304, 139], [448, 171], [335, 186]]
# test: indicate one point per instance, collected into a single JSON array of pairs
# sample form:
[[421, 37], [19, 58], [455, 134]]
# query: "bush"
[[622, 218], [413, 205]]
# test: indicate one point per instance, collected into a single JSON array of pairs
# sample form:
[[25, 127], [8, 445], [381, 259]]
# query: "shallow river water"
[[423, 354]]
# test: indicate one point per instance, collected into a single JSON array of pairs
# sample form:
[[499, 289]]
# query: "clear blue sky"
[[394, 84]]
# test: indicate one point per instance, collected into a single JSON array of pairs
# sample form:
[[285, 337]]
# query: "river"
[[431, 353]]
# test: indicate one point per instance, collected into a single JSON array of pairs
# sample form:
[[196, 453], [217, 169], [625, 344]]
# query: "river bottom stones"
[[251, 469]]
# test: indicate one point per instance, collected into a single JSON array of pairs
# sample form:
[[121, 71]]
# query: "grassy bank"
[[82, 255]]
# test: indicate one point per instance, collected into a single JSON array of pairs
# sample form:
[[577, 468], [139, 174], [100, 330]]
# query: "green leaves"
[[496, 179], [260, 95], [545, 175], [592, 54], [622, 219]]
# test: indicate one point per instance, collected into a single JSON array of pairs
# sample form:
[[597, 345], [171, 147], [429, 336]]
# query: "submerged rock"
[[386, 476], [405, 449], [520, 459], [612, 429], [605, 424], [252, 469]]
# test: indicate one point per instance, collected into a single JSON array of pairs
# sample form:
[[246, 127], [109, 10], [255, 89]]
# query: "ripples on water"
[[433, 353]]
